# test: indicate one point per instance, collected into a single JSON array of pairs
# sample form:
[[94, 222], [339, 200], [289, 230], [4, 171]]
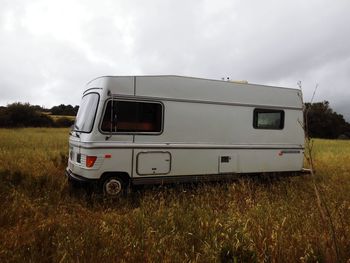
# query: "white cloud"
[[50, 48]]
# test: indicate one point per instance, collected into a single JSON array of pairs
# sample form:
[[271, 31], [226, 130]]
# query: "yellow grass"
[[248, 220], [56, 117]]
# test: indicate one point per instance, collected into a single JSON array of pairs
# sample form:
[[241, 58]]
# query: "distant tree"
[[323, 122], [62, 109], [76, 108], [23, 115], [3, 117], [38, 108]]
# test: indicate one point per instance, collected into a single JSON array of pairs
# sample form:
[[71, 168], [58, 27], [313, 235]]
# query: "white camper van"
[[155, 129]]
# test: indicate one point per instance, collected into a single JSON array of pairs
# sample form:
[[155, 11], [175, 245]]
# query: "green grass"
[[42, 220]]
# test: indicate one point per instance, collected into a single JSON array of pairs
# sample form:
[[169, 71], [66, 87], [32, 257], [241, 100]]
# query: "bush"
[[62, 109], [4, 119], [23, 115], [323, 122], [64, 122]]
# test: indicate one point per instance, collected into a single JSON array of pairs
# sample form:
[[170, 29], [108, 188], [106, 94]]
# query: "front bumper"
[[77, 178]]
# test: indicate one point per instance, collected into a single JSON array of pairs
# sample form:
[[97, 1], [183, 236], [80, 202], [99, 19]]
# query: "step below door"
[[153, 163]]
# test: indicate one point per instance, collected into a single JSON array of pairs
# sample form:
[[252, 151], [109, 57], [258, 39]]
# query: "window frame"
[[266, 110], [132, 133], [95, 114]]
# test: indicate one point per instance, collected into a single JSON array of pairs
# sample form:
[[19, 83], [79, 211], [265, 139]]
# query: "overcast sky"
[[50, 49]]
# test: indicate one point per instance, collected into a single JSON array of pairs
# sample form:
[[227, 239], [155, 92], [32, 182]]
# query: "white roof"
[[198, 89]]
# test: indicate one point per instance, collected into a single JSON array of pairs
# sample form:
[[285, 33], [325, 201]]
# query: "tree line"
[[322, 121], [25, 115]]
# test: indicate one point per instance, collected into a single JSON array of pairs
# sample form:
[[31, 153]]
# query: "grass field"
[[261, 220], [57, 117]]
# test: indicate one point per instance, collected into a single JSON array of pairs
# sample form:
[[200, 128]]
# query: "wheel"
[[113, 187]]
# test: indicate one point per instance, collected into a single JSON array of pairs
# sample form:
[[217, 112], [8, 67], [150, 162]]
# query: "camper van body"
[[157, 129]]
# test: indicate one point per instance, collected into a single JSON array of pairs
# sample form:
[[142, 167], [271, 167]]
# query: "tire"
[[114, 187]]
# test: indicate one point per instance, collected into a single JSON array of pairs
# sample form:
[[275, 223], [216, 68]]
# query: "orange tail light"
[[90, 161]]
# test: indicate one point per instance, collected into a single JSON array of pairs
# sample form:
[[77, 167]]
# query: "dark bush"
[[23, 115], [64, 122], [4, 119], [323, 122], [62, 109]]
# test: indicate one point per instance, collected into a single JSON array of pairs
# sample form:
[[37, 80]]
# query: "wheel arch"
[[122, 175]]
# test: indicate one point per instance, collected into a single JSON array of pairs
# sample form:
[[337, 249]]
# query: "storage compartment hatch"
[[153, 163]]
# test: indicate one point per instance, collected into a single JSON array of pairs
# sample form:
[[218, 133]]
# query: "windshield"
[[86, 113]]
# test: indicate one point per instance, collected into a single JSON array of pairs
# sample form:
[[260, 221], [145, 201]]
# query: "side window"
[[132, 117], [268, 119]]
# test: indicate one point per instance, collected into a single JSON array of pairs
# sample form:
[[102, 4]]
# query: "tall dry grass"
[[250, 220]]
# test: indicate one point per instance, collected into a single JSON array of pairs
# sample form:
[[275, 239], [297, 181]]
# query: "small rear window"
[[268, 119]]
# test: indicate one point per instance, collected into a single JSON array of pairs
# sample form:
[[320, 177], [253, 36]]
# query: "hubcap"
[[113, 187]]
